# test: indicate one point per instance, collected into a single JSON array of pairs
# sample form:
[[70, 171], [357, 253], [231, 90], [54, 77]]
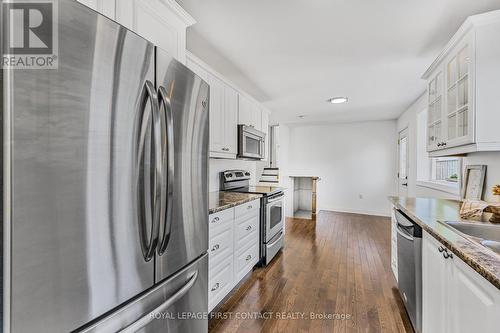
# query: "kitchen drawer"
[[220, 246], [245, 260], [220, 282], [246, 227], [217, 221], [246, 208]]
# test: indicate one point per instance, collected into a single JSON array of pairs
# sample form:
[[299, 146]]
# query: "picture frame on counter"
[[473, 182]]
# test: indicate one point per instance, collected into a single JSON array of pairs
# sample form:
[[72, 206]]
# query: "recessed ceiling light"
[[338, 100]]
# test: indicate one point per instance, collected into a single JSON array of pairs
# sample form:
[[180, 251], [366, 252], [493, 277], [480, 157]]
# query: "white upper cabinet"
[[105, 7], [162, 22], [265, 129], [223, 111], [462, 90], [249, 113], [231, 119]]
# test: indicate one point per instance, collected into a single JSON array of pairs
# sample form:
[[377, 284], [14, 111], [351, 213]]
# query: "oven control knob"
[[229, 175], [247, 173]]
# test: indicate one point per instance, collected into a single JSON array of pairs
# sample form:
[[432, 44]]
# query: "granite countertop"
[[221, 200], [427, 213]]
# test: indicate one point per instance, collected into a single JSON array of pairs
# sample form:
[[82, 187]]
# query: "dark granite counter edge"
[[473, 262], [232, 204]]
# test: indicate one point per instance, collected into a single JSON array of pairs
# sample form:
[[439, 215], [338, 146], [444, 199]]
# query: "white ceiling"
[[293, 55]]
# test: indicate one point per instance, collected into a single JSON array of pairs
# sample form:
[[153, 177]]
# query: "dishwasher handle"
[[402, 233]]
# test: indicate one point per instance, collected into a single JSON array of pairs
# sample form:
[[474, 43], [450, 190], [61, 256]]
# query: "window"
[[441, 173], [445, 169]]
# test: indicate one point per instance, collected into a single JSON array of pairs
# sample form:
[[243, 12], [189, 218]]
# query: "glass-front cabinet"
[[435, 111], [450, 109], [459, 110]]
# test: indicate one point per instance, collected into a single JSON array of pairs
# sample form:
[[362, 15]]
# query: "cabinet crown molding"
[[470, 23], [184, 16]]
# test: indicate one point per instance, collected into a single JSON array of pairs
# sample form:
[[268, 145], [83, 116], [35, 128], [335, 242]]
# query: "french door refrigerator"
[[104, 186]]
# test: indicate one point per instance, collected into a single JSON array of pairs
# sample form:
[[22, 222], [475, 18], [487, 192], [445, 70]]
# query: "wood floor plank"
[[338, 264]]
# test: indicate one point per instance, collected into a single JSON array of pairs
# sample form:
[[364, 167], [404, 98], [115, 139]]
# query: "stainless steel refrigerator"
[[105, 168]]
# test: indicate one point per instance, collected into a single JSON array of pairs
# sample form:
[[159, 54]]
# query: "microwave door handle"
[[146, 200], [136, 326], [168, 161]]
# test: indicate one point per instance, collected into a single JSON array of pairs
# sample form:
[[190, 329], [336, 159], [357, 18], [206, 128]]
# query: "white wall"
[[352, 159]]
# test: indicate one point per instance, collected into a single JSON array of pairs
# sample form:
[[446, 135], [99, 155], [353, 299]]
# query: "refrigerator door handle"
[[168, 160], [148, 318], [148, 198]]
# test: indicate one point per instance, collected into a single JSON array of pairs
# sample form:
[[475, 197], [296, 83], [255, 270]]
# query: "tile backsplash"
[[218, 165]]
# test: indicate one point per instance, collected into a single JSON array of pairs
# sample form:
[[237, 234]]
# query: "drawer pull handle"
[[216, 219], [447, 255], [215, 248], [441, 249], [248, 257], [215, 287], [249, 228]]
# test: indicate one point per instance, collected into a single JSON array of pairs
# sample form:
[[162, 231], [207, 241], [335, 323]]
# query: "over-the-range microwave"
[[251, 142]]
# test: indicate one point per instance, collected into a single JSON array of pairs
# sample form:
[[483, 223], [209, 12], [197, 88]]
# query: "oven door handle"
[[278, 198], [278, 238]]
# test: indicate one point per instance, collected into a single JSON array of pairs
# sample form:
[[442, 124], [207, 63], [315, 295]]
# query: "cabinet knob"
[[248, 257], [225, 149], [204, 103], [216, 219], [249, 228], [249, 207], [440, 249], [439, 144], [215, 248], [447, 255], [215, 287]]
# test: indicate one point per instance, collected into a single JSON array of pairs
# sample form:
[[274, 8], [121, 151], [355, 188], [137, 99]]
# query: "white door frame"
[[403, 139]]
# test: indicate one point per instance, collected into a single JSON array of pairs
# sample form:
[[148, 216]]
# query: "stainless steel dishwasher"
[[410, 267]]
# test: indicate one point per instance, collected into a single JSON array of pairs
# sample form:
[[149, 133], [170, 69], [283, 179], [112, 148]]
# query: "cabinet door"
[[104, 7], [435, 112], [217, 121], [231, 119], [436, 277], [458, 113], [475, 303], [249, 113], [244, 111], [152, 20], [265, 129]]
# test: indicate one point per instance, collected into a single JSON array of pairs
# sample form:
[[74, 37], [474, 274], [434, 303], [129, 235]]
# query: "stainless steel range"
[[271, 214]]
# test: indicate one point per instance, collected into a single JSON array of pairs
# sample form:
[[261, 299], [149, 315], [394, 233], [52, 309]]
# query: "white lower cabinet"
[[455, 297], [394, 245], [233, 248]]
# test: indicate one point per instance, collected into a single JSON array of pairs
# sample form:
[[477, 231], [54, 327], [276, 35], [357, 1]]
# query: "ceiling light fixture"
[[338, 100]]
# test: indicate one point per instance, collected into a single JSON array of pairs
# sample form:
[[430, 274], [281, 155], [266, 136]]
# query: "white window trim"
[[440, 186]]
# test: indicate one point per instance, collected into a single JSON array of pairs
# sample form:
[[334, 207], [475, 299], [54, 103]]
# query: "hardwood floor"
[[338, 264]]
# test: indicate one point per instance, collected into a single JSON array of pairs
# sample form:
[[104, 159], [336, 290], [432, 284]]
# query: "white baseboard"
[[356, 211]]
